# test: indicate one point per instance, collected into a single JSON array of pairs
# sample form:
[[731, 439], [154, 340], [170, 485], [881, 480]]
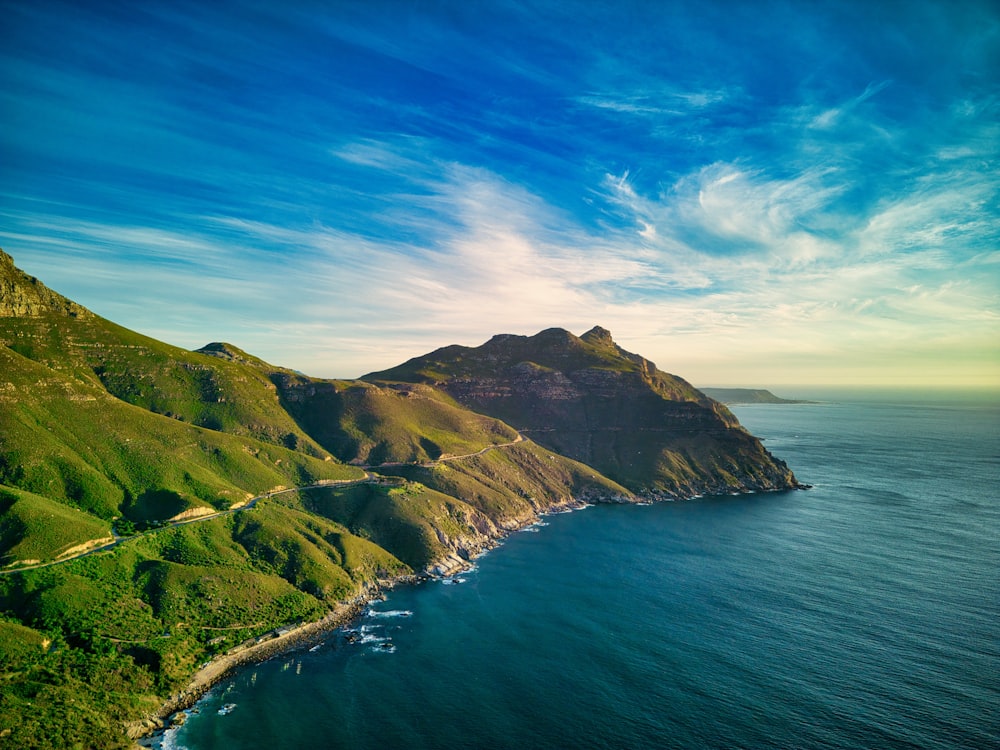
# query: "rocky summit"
[[587, 398]]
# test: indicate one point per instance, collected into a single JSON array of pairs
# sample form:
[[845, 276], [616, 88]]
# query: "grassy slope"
[[422, 520], [70, 441], [392, 424], [97, 421], [127, 626], [33, 527], [510, 486], [192, 387], [417, 524], [365, 423]]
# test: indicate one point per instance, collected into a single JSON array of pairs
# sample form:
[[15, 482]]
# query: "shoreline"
[[146, 733]]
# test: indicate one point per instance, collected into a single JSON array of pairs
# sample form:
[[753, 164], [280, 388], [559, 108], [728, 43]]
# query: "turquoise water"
[[862, 613]]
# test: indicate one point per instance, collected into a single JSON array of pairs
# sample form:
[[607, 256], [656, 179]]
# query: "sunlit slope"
[[106, 638], [420, 526], [68, 440], [450, 510], [365, 423], [192, 387], [35, 528], [512, 485]]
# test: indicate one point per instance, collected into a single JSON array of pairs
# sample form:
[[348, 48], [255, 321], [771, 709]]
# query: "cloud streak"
[[742, 204]]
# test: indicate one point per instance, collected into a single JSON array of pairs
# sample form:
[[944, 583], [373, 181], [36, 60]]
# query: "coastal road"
[[368, 477], [444, 459], [252, 502]]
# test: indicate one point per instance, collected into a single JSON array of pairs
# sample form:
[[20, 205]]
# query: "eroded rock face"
[[23, 296], [587, 398]]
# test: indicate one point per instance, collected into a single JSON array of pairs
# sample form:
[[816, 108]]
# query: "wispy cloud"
[[657, 102], [741, 198], [830, 117]]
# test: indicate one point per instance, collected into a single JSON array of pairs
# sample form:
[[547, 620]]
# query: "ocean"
[[862, 613]]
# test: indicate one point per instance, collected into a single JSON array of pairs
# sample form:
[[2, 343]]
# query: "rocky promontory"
[[743, 396], [587, 398]]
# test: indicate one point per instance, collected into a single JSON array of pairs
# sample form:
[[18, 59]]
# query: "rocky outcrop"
[[23, 296]]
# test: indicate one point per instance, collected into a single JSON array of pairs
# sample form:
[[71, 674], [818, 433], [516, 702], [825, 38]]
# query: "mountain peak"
[[598, 335], [555, 337], [222, 350]]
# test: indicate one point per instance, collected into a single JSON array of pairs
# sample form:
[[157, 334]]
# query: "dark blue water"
[[864, 613]]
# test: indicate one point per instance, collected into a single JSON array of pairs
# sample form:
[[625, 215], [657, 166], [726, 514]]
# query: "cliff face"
[[587, 398]]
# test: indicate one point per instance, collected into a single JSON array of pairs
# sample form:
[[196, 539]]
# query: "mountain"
[[159, 506], [587, 398], [116, 424], [748, 396]]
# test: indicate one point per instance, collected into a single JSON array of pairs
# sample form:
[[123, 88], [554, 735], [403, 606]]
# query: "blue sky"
[[747, 193]]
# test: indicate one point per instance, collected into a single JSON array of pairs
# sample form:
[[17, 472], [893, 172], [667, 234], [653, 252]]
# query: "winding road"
[[252, 502]]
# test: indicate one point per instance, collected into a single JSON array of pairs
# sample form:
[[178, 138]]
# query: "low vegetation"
[[144, 616], [33, 527]]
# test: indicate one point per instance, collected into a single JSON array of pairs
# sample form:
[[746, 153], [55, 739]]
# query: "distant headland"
[[736, 396]]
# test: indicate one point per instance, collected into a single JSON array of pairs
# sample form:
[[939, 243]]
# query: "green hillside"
[[512, 485], [70, 441], [87, 350], [364, 423], [127, 628], [452, 510], [35, 528]]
